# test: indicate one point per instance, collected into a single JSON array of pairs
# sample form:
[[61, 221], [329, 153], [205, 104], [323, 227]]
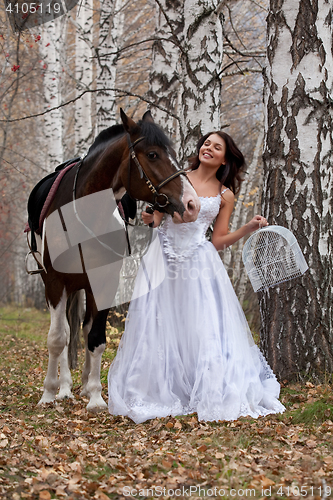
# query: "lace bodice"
[[181, 240]]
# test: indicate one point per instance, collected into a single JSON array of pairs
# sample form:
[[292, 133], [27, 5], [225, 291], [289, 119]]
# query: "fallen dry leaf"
[[265, 481], [44, 495], [167, 464], [99, 495], [310, 443]]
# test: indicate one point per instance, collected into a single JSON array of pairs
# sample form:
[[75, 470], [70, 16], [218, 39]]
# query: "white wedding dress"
[[187, 346]]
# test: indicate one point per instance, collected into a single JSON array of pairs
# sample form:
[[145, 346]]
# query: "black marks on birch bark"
[[193, 28], [305, 36], [276, 20]]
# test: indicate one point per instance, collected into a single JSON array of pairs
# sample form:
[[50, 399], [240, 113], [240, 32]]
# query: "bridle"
[[161, 200], [157, 204]]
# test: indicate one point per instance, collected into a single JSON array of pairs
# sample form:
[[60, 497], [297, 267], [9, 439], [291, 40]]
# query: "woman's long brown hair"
[[230, 174]]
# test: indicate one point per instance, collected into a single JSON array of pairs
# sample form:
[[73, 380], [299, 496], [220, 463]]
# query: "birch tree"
[[83, 75], [165, 71], [185, 76], [297, 329], [110, 30], [201, 60], [53, 121]]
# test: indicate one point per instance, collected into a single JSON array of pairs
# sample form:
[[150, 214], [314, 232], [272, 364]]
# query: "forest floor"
[[61, 451]]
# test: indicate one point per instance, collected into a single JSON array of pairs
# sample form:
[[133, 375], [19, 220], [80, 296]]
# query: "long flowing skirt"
[[187, 346]]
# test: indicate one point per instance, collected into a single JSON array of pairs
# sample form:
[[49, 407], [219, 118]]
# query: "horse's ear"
[[147, 117], [129, 125]]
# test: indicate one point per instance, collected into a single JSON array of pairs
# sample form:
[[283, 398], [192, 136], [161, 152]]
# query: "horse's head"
[[151, 172]]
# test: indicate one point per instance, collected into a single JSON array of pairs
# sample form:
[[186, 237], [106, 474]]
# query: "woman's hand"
[[257, 222], [147, 218]]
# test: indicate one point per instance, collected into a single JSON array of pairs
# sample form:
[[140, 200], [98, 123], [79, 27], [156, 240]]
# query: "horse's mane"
[[153, 134], [107, 135]]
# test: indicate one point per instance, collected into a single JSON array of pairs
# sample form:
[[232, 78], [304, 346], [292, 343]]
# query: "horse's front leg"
[[86, 367], [96, 347], [57, 342]]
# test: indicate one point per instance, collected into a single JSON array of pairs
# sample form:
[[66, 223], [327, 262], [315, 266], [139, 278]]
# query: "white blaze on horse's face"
[[189, 199]]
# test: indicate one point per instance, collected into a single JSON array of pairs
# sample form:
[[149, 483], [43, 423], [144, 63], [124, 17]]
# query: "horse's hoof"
[[97, 405], [46, 398], [66, 394], [84, 393]]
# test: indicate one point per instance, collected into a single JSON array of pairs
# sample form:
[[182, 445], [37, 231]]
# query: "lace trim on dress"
[[267, 370], [140, 411], [209, 211], [175, 257]]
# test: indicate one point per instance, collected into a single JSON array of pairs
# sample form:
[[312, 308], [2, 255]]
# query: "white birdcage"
[[271, 256]]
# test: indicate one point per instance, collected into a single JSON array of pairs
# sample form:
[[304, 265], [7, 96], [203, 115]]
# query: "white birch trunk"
[[83, 76], [53, 125], [111, 28], [247, 206], [201, 58], [165, 70], [297, 331]]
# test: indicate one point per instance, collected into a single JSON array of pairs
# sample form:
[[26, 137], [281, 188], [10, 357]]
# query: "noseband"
[[161, 200]]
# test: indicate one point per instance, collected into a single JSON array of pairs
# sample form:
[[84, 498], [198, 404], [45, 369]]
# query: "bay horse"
[[135, 157]]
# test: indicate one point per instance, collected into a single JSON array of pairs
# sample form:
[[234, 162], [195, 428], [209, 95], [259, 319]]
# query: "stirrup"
[[35, 271]]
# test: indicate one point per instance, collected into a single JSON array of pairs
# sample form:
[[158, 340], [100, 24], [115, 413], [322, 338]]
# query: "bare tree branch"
[[241, 72], [119, 91]]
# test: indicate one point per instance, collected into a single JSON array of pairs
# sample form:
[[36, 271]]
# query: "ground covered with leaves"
[[61, 451]]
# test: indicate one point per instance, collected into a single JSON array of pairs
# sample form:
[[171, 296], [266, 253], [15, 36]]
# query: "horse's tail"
[[75, 315]]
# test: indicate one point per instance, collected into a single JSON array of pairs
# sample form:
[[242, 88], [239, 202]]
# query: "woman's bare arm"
[[221, 238]]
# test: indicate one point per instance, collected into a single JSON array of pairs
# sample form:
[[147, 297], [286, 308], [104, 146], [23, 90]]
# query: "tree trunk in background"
[[201, 60], [247, 206], [111, 28], [51, 47], [84, 76], [165, 69], [297, 333], [185, 77]]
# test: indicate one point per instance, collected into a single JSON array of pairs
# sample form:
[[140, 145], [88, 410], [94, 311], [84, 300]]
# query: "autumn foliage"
[[60, 451]]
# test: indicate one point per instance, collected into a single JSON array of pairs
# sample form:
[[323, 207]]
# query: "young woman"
[[187, 346]]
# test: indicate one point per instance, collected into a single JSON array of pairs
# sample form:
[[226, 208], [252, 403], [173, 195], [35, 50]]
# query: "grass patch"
[[316, 412], [30, 324]]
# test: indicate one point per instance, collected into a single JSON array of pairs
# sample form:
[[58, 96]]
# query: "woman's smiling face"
[[212, 152]]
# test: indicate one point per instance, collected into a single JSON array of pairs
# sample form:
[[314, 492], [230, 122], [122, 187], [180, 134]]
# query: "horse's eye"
[[152, 155]]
